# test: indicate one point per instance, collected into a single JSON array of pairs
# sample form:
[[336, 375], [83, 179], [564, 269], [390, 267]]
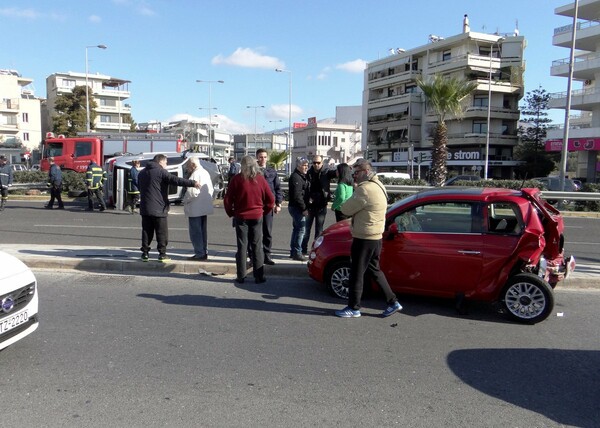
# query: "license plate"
[[13, 321]]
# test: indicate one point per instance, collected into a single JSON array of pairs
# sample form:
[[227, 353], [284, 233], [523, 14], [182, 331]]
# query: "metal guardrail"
[[392, 190]]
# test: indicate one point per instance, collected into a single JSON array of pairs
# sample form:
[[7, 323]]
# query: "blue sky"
[[164, 46]]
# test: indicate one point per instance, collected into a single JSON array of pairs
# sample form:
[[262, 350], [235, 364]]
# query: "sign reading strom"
[[460, 155]]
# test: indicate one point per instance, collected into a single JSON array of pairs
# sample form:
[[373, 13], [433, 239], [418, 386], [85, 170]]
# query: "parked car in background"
[[481, 244], [553, 184], [18, 300], [35, 167], [401, 175], [452, 181], [18, 167]]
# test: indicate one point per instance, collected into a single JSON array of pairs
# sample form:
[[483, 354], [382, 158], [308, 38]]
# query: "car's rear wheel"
[[527, 298], [338, 278]]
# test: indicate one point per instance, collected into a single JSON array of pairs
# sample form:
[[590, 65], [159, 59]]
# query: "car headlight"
[[318, 242]]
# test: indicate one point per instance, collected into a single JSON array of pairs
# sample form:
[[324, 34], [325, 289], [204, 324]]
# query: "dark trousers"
[[249, 233], [364, 255], [99, 196], [132, 200], [55, 193], [318, 217], [267, 233], [150, 226]]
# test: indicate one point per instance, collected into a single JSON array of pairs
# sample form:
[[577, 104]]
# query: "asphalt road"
[[27, 222], [182, 351]]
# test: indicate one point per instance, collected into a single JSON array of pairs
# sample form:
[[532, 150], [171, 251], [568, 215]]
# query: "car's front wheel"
[[527, 298], [338, 278]]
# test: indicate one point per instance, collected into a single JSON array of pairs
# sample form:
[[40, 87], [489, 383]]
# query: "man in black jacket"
[[274, 184], [298, 207], [154, 183], [319, 178]]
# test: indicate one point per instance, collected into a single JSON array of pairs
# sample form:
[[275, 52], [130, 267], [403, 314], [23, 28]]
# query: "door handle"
[[469, 253]]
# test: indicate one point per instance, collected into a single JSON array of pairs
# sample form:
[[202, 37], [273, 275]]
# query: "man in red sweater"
[[247, 200]]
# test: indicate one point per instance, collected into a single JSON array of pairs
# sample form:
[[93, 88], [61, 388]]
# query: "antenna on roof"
[[516, 27]]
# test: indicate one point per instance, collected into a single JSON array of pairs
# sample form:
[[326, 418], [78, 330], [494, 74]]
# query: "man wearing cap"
[[6, 178], [55, 184], [367, 207]]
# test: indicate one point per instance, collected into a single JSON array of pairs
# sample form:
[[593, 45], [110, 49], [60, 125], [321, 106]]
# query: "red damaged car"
[[484, 244]]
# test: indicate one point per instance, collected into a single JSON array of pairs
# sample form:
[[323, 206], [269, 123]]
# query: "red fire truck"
[[75, 153]]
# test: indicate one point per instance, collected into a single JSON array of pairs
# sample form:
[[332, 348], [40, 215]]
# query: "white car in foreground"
[[18, 300]]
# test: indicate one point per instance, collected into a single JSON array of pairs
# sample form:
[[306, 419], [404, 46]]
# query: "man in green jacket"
[[367, 207]]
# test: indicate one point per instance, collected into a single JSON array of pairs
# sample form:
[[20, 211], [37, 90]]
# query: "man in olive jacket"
[[367, 207], [154, 181]]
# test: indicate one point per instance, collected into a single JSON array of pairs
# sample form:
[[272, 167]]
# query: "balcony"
[[10, 105], [475, 112], [474, 62], [586, 67], [394, 79], [581, 99], [384, 100], [586, 38]]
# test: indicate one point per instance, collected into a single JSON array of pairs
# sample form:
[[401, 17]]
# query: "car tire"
[[337, 278], [527, 298]]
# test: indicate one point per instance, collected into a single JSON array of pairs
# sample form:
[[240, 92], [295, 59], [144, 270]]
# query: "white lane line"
[[98, 227]]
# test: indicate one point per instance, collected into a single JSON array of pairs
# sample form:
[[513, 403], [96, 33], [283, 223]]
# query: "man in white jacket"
[[198, 203]]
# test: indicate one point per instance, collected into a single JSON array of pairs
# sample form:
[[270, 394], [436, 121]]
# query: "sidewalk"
[[127, 261]]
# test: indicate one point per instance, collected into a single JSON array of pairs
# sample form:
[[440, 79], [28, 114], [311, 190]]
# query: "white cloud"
[[281, 111], [356, 66], [95, 19], [246, 57], [139, 6], [13, 12]]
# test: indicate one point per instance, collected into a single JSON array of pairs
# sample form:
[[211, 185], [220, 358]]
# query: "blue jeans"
[[298, 225], [318, 216], [198, 235]]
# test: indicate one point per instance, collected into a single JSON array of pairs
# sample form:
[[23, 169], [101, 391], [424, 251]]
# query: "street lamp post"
[[211, 140], [489, 110], [288, 145], [255, 109], [87, 97], [210, 116]]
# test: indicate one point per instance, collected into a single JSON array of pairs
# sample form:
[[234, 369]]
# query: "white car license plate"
[[13, 321]]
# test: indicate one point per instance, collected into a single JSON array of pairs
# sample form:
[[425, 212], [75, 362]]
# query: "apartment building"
[[584, 130], [336, 140], [247, 144], [205, 137], [110, 94], [20, 123], [397, 126]]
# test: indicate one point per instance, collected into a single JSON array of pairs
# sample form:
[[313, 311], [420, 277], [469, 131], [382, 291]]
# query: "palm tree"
[[443, 96], [277, 159]]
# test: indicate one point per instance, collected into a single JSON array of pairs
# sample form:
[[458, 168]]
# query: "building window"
[[25, 117], [107, 102], [410, 89], [69, 83], [105, 118], [25, 136], [479, 127], [446, 55], [480, 101]]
